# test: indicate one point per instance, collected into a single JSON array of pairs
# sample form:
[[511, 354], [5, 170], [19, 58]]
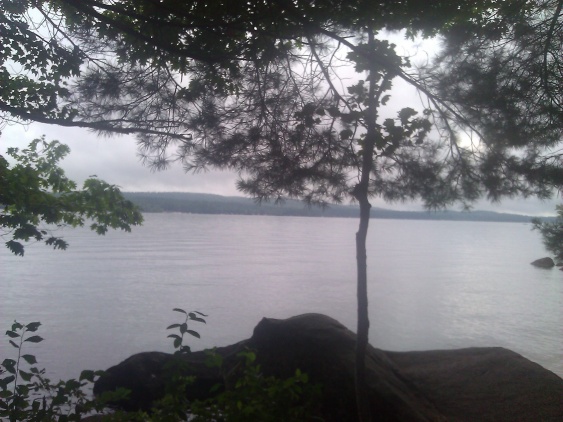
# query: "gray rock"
[[546, 262], [484, 384]]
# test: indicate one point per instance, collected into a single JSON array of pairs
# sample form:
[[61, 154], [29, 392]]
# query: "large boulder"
[[546, 262], [323, 348], [485, 384]]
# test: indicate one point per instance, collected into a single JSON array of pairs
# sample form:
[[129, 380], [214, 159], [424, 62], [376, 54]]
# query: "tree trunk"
[[363, 316], [361, 193]]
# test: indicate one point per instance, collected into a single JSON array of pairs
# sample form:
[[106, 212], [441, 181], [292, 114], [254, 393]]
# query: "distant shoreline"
[[198, 203]]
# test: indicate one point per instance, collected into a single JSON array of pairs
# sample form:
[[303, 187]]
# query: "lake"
[[432, 285]]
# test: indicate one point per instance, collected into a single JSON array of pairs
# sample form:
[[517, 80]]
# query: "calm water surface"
[[432, 285]]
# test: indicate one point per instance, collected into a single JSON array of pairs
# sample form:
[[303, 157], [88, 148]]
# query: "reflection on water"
[[433, 285]]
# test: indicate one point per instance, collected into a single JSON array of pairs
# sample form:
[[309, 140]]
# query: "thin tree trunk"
[[361, 193], [362, 334], [362, 401]]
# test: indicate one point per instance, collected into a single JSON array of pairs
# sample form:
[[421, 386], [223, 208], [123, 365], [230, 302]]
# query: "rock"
[[323, 348], [546, 262], [485, 384], [145, 374]]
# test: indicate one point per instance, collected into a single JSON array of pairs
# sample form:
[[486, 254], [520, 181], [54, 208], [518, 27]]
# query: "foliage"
[[36, 193], [34, 64], [255, 397], [174, 404], [552, 234], [184, 329], [503, 73], [26, 394], [117, 41]]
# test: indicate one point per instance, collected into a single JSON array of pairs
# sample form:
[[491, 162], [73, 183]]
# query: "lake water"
[[432, 285]]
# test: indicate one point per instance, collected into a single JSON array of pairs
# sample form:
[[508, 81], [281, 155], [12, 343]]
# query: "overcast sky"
[[115, 160]]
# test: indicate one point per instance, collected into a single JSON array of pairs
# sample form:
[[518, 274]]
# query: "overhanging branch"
[[100, 126]]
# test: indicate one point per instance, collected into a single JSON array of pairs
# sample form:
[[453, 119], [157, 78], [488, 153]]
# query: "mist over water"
[[432, 285]]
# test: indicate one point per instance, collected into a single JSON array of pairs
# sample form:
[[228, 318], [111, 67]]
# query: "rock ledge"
[[485, 384]]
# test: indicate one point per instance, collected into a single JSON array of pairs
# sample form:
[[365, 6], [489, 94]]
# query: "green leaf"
[[333, 111], [16, 326], [15, 247], [346, 133], [179, 310], [193, 317], [87, 375], [12, 334], [34, 339], [30, 359], [33, 326], [10, 365], [14, 344], [193, 333], [26, 376], [198, 319], [23, 390], [7, 393], [406, 113], [184, 328], [5, 381], [173, 326], [184, 349], [174, 336], [177, 342]]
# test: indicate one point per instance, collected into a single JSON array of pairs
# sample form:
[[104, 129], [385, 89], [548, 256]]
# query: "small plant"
[[173, 406], [26, 394], [183, 329]]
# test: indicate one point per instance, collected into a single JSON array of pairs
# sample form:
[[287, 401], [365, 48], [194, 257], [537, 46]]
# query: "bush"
[[27, 395]]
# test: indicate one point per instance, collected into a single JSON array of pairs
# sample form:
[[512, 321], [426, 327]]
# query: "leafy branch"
[[178, 339]]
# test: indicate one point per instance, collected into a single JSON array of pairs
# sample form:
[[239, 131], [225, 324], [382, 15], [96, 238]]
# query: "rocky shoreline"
[[473, 384]]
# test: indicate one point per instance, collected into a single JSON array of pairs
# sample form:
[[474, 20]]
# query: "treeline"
[[198, 203]]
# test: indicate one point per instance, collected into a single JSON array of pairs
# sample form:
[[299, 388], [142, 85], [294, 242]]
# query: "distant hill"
[[198, 203]]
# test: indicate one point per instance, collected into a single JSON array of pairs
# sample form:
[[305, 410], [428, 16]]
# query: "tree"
[[502, 72], [38, 198], [263, 88], [172, 39], [552, 234], [34, 65]]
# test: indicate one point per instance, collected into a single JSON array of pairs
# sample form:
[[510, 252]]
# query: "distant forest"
[[197, 203]]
